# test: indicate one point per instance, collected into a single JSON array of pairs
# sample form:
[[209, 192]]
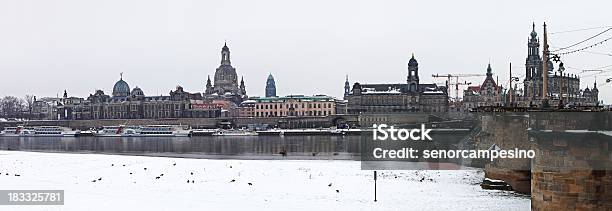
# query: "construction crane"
[[465, 83], [456, 76]]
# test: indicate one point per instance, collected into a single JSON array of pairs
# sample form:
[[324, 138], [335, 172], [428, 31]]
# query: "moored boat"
[[117, 131], [144, 131], [36, 131], [166, 130], [222, 132]]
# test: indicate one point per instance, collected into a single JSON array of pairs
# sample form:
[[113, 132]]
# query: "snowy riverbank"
[[123, 183]]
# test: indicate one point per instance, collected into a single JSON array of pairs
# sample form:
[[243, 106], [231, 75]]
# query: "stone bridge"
[[572, 169]]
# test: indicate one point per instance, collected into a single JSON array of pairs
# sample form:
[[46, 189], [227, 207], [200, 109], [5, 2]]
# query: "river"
[[211, 147]]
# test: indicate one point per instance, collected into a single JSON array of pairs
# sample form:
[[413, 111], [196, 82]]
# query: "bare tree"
[[12, 107], [29, 102]]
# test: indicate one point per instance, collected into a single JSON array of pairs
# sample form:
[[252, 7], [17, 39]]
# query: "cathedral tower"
[[533, 67]]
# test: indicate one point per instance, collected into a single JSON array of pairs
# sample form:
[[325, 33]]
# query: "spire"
[[347, 87], [242, 87], [412, 59], [209, 87], [225, 55], [121, 76], [534, 34], [489, 70]]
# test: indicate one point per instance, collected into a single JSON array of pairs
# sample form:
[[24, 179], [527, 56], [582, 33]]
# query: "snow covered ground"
[[136, 183]]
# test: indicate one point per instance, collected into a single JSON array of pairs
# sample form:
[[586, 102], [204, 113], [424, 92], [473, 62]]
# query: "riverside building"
[[411, 96], [124, 103], [561, 85], [294, 105], [220, 99]]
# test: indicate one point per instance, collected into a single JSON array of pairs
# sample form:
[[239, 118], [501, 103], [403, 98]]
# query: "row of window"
[[122, 108], [293, 105], [378, 100], [293, 113]]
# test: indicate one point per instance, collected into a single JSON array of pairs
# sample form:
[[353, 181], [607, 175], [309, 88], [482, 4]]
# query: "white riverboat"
[[38, 131], [166, 130], [117, 131], [144, 131], [222, 132]]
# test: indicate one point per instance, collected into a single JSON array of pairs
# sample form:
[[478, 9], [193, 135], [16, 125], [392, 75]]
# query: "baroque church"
[[225, 84], [561, 86]]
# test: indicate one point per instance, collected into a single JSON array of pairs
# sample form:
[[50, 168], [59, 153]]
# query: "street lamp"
[[515, 79], [561, 69]]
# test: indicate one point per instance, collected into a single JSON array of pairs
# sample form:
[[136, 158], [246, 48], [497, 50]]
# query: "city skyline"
[[82, 55]]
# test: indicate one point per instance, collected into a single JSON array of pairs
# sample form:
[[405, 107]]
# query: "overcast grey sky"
[[309, 46]]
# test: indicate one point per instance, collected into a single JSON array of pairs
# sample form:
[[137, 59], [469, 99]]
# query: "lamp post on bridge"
[[510, 87]]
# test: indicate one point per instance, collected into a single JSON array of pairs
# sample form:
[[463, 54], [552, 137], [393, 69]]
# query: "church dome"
[[412, 61], [226, 75], [137, 92], [226, 78], [121, 89]]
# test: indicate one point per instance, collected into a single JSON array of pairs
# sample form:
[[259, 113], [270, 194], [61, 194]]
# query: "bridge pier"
[[572, 169]]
